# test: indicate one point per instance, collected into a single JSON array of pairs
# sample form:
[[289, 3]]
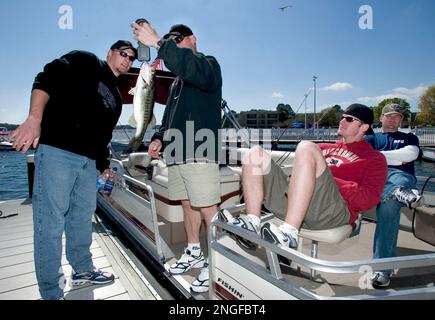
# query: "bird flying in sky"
[[285, 7]]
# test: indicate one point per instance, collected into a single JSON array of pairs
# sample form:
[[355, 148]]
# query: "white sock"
[[255, 220], [195, 248], [289, 229]]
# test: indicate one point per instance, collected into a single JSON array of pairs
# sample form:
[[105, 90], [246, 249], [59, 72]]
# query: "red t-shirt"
[[359, 171]]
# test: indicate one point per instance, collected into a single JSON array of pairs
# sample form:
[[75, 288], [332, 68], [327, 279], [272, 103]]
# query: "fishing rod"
[[275, 143], [230, 116]]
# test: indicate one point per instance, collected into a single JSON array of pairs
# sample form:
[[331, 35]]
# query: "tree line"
[[330, 117]]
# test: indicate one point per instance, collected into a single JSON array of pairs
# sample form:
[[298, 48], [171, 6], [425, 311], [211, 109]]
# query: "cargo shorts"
[[327, 208], [197, 182]]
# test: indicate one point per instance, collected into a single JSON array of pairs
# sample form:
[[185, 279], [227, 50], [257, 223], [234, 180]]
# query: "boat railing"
[[273, 273], [149, 202]]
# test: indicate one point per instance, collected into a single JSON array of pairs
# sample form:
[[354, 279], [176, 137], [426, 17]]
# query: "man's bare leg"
[[193, 256], [192, 221], [309, 164], [208, 213], [255, 163]]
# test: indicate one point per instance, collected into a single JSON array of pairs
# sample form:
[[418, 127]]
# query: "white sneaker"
[[409, 197], [200, 285], [276, 235], [187, 262], [242, 221], [380, 280]]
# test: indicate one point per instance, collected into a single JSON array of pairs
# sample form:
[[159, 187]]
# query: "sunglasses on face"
[[176, 37], [350, 119], [125, 55]]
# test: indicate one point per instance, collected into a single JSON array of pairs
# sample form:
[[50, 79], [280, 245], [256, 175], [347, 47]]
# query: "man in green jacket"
[[189, 133]]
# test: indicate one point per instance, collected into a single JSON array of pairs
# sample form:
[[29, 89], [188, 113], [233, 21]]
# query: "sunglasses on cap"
[[177, 37], [125, 55], [350, 119]]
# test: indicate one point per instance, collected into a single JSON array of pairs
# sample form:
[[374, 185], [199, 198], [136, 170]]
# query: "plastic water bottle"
[[100, 182], [108, 186]]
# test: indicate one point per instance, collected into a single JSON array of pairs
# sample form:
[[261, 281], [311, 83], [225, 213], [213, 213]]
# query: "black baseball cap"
[[363, 113], [179, 30], [122, 45]]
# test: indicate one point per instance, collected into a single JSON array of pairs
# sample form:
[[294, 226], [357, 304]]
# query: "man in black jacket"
[[189, 134], [75, 104]]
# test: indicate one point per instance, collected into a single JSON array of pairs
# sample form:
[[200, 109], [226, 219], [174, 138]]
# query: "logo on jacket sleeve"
[[107, 96]]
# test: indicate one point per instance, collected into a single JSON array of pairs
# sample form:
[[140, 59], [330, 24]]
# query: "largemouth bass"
[[143, 104]]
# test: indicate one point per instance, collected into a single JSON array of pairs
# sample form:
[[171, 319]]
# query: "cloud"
[[338, 86], [277, 95], [402, 93], [416, 92], [377, 99]]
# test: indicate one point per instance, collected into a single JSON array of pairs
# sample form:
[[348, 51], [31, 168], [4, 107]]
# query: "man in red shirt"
[[329, 185]]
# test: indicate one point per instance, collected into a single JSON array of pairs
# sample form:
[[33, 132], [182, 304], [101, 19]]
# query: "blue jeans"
[[388, 214], [64, 198]]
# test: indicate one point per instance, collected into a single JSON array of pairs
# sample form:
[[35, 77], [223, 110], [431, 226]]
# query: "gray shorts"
[[197, 182], [327, 208]]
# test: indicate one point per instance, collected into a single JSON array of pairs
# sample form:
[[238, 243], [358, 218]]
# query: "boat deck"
[[326, 284], [17, 269]]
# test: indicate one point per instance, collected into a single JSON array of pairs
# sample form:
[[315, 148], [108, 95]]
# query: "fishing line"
[[123, 129], [288, 153]]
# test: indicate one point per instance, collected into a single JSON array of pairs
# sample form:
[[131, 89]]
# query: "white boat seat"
[[334, 235], [331, 236], [139, 165], [142, 159]]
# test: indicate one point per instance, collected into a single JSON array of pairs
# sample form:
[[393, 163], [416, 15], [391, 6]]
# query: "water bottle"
[[143, 51], [108, 186], [100, 182]]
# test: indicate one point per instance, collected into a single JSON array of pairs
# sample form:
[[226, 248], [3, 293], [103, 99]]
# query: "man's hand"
[[145, 33], [26, 135], [108, 173], [154, 148]]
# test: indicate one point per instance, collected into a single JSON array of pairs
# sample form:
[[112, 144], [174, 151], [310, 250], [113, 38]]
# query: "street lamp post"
[[306, 97], [314, 80]]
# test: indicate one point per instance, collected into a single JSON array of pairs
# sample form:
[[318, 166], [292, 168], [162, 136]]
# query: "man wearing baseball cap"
[[194, 100], [400, 149], [329, 185], [75, 104]]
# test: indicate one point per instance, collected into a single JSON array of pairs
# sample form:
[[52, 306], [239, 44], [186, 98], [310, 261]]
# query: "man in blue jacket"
[[400, 149]]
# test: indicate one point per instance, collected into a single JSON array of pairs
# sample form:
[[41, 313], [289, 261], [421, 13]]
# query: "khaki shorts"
[[327, 208], [197, 182]]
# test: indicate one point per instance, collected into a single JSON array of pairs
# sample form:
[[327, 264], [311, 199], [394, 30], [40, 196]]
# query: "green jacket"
[[192, 118]]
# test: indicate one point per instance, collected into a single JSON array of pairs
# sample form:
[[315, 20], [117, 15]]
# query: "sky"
[[361, 51]]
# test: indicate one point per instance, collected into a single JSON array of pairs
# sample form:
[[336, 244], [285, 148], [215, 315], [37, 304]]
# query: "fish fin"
[[132, 121], [152, 123], [132, 91]]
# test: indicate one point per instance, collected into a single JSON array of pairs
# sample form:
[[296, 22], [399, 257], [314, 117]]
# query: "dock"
[[17, 269]]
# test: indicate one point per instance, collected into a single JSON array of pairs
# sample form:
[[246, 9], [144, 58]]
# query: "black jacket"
[[195, 96], [84, 105]]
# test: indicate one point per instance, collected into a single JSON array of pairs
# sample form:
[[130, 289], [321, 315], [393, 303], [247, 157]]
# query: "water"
[[13, 175], [14, 184]]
